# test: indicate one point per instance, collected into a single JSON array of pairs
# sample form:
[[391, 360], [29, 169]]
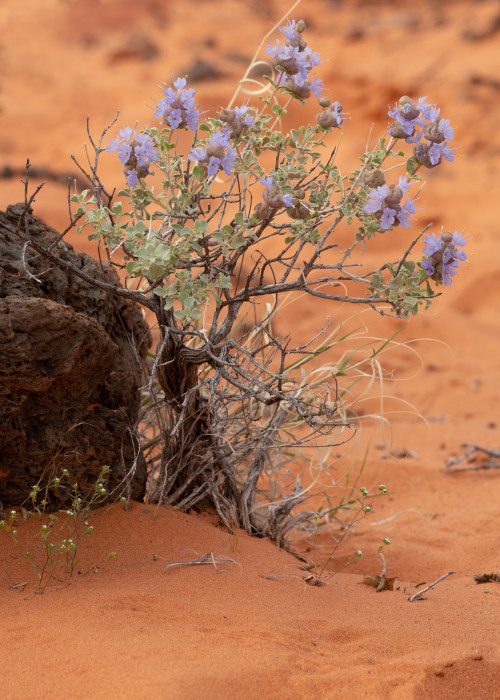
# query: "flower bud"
[[433, 133], [289, 65], [407, 108], [226, 115], [396, 131], [374, 178], [324, 102], [393, 197], [273, 196], [262, 211], [216, 150], [300, 26], [298, 211], [421, 154], [300, 91]]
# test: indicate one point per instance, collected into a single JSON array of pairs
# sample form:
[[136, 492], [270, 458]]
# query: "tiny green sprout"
[[364, 491], [110, 555], [367, 509], [122, 499], [386, 540], [382, 488]]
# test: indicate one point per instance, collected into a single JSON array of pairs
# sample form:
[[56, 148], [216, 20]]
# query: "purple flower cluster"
[[236, 120], [177, 108], [420, 123], [136, 154], [273, 198], [218, 154], [385, 202], [295, 60], [331, 116], [442, 256]]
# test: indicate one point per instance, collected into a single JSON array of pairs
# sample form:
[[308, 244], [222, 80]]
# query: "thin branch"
[[418, 595]]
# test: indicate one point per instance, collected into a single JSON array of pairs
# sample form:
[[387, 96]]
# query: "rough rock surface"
[[70, 367]]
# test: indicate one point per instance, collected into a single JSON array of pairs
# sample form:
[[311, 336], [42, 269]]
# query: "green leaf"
[[200, 226], [219, 236], [411, 165], [236, 243], [224, 281], [204, 127], [180, 314], [134, 267], [199, 172]]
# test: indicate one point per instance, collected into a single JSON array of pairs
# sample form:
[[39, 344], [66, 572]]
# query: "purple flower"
[[123, 147], [218, 154], [385, 203], [273, 196], [303, 90], [441, 256], [407, 116], [132, 178], [377, 197], [405, 212], [177, 108], [267, 181], [236, 120], [387, 218], [295, 59], [290, 31], [404, 185], [136, 154], [438, 151], [332, 115], [144, 150], [430, 154]]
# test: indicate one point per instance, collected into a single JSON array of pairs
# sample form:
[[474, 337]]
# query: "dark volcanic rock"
[[70, 368]]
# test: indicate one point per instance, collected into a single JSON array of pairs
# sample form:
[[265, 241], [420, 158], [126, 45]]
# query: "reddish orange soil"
[[130, 629]]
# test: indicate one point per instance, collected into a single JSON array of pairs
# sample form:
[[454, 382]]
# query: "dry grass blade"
[[205, 559]]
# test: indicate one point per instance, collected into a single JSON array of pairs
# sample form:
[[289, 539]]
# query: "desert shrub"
[[221, 221]]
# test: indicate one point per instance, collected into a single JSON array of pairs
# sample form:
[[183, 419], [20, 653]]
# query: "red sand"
[[131, 629]]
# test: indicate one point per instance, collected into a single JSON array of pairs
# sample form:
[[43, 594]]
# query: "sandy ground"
[[252, 628]]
